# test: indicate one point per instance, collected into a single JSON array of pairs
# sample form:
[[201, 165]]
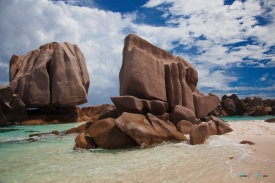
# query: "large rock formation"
[[151, 73], [54, 75]]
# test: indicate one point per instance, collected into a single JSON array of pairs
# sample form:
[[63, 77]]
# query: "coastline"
[[263, 151], [257, 131]]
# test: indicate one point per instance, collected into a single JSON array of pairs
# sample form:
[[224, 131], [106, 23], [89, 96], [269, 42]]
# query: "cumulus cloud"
[[25, 25], [210, 28], [222, 35]]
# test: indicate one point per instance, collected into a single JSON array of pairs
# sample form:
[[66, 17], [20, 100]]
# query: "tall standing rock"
[[53, 75], [150, 73], [141, 69]]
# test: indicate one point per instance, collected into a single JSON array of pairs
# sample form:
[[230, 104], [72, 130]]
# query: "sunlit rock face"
[[53, 75], [150, 73]]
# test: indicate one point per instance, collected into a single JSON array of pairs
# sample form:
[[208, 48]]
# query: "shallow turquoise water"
[[52, 159], [245, 118]]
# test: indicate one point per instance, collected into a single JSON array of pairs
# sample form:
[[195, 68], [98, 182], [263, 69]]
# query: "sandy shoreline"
[[263, 135], [257, 131]]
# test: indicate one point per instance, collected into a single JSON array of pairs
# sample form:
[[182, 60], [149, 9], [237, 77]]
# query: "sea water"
[[52, 159]]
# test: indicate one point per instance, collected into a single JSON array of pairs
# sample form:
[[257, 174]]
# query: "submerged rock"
[[84, 142], [55, 132]]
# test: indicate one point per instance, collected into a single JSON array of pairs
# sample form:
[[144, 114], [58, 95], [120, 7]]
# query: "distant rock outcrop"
[[250, 106], [54, 75]]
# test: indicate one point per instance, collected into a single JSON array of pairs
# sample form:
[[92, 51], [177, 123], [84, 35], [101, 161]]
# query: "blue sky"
[[231, 43]]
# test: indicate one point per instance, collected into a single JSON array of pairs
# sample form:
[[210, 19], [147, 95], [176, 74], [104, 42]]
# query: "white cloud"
[[28, 24], [222, 26], [263, 78], [25, 25]]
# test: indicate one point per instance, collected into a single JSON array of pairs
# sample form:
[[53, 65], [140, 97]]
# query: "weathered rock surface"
[[109, 114], [269, 102], [141, 130], [165, 129], [268, 110], [71, 131], [230, 106], [84, 127], [18, 109], [3, 120], [142, 74], [182, 113], [107, 135], [240, 108], [92, 113], [204, 104], [11, 105], [6, 93], [134, 105], [50, 75], [184, 126], [84, 142], [258, 111], [151, 73], [36, 117], [273, 110], [199, 133], [221, 126], [253, 101], [138, 128], [217, 111], [212, 128]]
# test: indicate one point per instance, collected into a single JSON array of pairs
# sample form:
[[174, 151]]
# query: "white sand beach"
[[263, 135]]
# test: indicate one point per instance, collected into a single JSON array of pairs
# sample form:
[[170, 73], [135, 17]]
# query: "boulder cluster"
[[131, 129], [249, 106], [53, 79], [159, 101]]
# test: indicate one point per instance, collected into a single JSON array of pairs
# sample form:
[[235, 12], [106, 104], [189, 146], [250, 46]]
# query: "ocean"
[[52, 159]]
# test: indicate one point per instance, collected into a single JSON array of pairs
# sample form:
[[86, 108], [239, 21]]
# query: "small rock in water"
[[231, 157], [247, 142], [55, 132]]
